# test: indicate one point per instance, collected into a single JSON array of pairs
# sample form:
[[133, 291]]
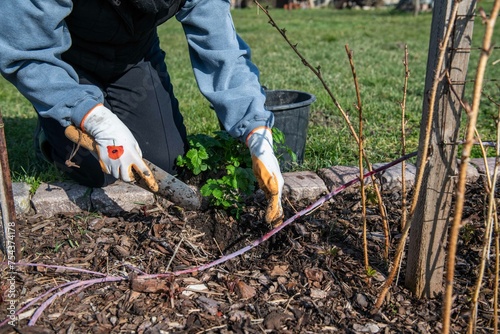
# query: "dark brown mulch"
[[308, 278]]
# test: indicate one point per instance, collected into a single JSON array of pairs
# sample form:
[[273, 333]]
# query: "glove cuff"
[[260, 130], [97, 108]]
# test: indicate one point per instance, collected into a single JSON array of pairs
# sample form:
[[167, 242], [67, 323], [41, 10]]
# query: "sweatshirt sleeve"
[[222, 65], [33, 36]]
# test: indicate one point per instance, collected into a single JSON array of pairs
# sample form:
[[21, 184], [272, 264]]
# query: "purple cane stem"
[[34, 300], [77, 284], [53, 266]]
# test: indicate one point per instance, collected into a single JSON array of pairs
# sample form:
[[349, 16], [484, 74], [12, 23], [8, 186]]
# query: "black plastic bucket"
[[291, 116]]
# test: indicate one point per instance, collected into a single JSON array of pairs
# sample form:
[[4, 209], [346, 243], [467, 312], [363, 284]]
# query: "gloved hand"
[[267, 172], [117, 150]]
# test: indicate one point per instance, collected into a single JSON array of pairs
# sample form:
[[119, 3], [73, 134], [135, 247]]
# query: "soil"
[[307, 278]]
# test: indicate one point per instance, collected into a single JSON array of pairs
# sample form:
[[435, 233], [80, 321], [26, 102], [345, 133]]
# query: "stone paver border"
[[65, 197]]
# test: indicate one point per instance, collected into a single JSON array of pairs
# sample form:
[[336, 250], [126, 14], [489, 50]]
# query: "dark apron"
[[116, 48]]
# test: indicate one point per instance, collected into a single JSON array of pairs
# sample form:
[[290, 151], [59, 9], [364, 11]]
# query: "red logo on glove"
[[115, 152]]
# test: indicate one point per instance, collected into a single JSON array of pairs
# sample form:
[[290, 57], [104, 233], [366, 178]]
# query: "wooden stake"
[[9, 221], [452, 25]]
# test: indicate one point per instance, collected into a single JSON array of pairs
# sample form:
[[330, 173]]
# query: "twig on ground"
[[175, 253]]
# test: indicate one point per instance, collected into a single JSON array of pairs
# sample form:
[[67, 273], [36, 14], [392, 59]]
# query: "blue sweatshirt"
[[33, 35]]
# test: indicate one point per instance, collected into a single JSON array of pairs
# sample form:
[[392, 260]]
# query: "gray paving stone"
[[481, 167], [337, 176], [303, 185], [120, 196], [61, 197], [22, 198], [392, 178], [472, 174]]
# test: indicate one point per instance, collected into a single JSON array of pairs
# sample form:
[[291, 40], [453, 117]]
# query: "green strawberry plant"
[[225, 167]]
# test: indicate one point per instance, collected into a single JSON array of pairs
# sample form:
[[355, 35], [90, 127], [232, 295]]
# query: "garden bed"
[[308, 278]]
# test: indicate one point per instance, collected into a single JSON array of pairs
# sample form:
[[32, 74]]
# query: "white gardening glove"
[[117, 150], [267, 172]]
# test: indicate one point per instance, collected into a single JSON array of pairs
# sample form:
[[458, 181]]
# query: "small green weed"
[[73, 243], [70, 242], [371, 195], [58, 246], [34, 178], [467, 233], [330, 252], [370, 272]]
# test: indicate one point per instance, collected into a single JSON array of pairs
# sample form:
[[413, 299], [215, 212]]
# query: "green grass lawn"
[[377, 39]]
